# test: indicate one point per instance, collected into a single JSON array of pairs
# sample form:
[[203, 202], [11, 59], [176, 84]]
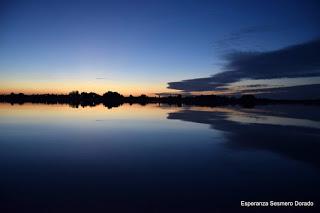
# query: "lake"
[[156, 158]]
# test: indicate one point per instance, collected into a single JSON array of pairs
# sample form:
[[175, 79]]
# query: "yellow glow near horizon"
[[99, 112], [64, 87]]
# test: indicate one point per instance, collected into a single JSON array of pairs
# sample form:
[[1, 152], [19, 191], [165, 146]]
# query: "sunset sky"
[[134, 47]]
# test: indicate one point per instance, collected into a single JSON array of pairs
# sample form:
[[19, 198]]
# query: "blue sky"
[[138, 46]]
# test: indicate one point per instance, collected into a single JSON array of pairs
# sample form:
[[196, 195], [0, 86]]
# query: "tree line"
[[114, 99]]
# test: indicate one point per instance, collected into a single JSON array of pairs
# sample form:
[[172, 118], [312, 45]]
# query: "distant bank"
[[113, 99]]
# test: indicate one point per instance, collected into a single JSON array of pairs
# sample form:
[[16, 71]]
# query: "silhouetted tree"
[[113, 99]]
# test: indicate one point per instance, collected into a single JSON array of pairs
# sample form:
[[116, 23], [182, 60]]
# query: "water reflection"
[[153, 158], [276, 129]]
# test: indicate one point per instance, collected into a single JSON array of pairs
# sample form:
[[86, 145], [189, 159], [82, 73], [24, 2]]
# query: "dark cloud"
[[302, 60], [172, 94], [311, 91], [255, 85], [294, 61]]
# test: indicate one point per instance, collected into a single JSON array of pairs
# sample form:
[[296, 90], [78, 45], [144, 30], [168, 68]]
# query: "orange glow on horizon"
[[65, 87]]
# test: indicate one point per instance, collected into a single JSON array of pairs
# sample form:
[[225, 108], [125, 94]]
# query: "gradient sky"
[[136, 47]]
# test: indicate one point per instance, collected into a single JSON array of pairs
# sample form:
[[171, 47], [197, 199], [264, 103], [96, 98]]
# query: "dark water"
[[156, 158]]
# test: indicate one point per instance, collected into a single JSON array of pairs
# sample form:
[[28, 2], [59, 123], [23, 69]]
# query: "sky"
[[135, 47]]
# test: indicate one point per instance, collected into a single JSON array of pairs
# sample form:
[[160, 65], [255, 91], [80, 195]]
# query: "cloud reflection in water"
[[283, 131]]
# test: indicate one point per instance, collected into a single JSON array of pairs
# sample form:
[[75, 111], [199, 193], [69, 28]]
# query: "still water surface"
[[54, 158]]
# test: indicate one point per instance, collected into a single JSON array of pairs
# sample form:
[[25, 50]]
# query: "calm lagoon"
[[133, 158]]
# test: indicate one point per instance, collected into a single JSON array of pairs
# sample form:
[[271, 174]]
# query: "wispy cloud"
[[236, 38]]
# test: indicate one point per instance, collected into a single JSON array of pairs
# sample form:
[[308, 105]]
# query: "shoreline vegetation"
[[114, 99]]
